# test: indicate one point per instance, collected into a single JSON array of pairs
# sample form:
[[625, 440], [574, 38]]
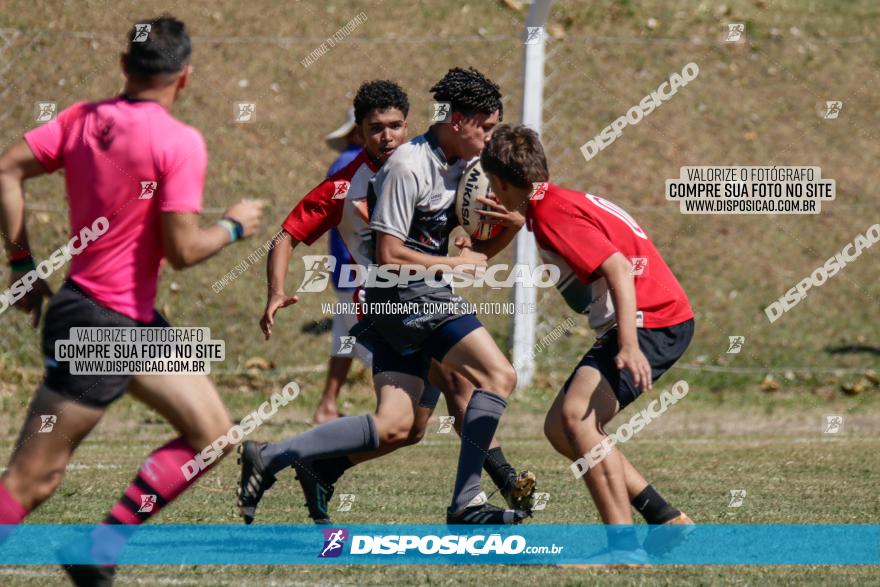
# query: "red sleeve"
[[583, 246], [316, 213], [47, 141]]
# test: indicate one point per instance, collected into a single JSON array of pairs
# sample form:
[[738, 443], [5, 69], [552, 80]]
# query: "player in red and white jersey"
[[340, 201], [608, 229], [645, 317]]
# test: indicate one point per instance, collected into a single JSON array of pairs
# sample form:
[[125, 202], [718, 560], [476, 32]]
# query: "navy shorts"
[[662, 347], [387, 359], [71, 307]]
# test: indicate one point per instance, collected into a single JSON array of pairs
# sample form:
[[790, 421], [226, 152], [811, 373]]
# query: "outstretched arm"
[[276, 274], [187, 244], [391, 250]]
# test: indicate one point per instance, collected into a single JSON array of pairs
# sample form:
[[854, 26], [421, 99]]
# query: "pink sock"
[[158, 482], [11, 512]]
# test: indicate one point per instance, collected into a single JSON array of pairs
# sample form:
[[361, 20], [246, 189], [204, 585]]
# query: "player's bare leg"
[[581, 413], [337, 371], [389, 428], [398, 396], [480, 361], [190, 403], [587, 406], [317, 477], [555, 433], [389, 386], [39, 459], [574, 425], [192, 406]]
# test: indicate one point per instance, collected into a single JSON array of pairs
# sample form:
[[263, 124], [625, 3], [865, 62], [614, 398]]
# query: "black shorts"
[[662, 347], [71, 308]]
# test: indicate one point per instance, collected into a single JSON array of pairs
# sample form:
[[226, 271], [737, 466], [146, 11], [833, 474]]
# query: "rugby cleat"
[[90, 575], [102, 549], [665, 537], [318, 493], [519, 493], [254, 481], [480, 511]]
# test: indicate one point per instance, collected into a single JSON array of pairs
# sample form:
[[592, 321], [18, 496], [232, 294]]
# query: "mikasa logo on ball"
[[470, 184], [474, 184]]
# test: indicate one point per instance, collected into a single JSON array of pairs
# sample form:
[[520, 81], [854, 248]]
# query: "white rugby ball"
[[475, 184]]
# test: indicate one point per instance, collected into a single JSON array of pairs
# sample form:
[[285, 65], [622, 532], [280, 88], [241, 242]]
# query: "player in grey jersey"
[[412, 215], [413, 205]]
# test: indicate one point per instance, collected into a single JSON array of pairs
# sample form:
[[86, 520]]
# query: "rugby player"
[[412, 214], [644, 317], [107, 149], [346, 139], [340, 201]]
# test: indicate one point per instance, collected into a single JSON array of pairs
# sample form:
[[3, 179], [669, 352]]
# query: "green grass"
[[695, 454]]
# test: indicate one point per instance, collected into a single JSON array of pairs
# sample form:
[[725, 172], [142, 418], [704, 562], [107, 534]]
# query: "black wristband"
[[25, 264]]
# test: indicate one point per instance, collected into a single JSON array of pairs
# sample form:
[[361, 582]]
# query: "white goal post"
[[523, 334]]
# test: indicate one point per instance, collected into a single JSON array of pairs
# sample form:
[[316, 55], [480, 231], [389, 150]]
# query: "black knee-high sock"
[[330, 470], [498, 468], [653, 507]]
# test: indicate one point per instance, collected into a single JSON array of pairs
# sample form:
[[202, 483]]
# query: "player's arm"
[[391, 249], [276, 273], [187, 244], [588, 251], [391, 219], [314, 215], [17, 164], [617, 271], [182, 166]]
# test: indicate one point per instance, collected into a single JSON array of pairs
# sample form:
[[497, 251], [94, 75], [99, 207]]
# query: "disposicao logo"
[[334, 540]]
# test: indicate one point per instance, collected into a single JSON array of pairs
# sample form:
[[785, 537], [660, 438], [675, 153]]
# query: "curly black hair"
[[469, 92], [379, 95]]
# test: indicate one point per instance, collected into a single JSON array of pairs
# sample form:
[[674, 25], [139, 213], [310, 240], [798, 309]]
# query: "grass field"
[[695, 454], [755, 103]]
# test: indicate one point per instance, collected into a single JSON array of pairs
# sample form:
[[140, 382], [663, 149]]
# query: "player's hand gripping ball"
[[475, 184]]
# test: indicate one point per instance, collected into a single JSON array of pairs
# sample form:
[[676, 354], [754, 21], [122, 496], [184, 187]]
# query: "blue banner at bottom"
[[165, 544]]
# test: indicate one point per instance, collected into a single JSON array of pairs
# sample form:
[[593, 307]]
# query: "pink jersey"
[[580, 231], [126, 160]]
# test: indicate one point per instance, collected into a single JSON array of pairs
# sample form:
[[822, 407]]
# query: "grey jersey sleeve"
[[397, 193]]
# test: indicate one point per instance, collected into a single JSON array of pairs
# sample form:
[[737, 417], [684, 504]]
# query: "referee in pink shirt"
[[134, 176]]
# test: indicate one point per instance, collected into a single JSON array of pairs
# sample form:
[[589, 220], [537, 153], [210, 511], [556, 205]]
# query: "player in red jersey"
[[641, 311], [134, 176], [381, 108]]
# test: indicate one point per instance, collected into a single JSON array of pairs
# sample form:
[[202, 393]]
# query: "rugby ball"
[[475, 184]]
